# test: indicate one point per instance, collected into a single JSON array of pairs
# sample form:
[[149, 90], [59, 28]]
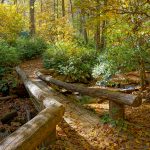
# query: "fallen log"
[[8, 116], [118, 97], [8, 98]]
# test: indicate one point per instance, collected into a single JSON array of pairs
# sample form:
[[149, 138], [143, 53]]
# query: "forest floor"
[[82, 127]]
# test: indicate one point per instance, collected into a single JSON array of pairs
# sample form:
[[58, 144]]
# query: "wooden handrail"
[[121, 98], [42, 128], [117, 100]]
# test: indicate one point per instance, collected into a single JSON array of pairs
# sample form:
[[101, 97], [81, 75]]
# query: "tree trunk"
[[103, 29], [54, 10], [57, 9], [71, 9], [8, 98], [2, 1], [83, 30], [97, 34], [15, 2], [103, 37], [85, 35], [32, 18], [63, 8], [125, 99]]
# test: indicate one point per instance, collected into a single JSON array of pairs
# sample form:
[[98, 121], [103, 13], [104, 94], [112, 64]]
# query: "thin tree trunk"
[[71, 9], [63, 8], [84, 32], [103, 36], [57, 9], [2, 1], [97, 34], [15, 2], [32, 18], [41, 6], [54, 9], [41, 9]]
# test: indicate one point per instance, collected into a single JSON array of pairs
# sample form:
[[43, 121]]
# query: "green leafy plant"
[[29, 48], [85, 100], [105, 119], [71, 60], [9, 55]]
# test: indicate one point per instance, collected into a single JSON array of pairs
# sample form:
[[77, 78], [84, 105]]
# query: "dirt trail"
[[81, 129]]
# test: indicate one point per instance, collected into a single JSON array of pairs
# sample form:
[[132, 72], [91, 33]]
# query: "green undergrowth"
[[30, 48], [11, 55], [71, 59], [121, 124]]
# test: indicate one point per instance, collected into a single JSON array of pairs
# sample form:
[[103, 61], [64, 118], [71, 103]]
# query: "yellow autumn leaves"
[[11, 22]]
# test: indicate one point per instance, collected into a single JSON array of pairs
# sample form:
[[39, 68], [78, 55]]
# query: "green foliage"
[[85, 100], [116, 123], [9, 55], [117, 59], [29, 48], [71, 60], [4, 86]]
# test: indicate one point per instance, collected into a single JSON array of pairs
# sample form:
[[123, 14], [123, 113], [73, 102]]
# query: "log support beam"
[[116, 111]]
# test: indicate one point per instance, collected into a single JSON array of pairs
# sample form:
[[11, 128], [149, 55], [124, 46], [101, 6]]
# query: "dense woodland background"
[[80, 39]]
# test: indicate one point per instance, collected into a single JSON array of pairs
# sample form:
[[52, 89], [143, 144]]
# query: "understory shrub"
[[29, 48], [71, 60], [9, 57], [114, 61]]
